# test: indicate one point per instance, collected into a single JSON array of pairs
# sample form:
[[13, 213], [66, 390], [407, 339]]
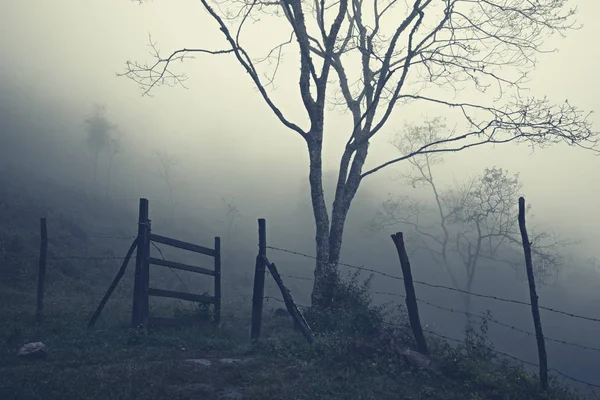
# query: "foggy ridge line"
[[569, 314], [497, 322]]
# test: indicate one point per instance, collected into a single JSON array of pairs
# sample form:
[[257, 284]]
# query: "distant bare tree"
[[469, 224], [98, 134], [114, 147], [382, 55], [167, 162], [232, 214]]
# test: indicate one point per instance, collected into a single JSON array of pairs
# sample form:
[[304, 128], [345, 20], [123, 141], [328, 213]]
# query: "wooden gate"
[[142, 291]]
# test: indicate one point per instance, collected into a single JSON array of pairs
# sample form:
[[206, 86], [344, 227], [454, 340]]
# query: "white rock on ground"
[[33, 350]]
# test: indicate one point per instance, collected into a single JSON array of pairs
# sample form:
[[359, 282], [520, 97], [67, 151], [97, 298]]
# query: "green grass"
[[351, 358], [115, 362]]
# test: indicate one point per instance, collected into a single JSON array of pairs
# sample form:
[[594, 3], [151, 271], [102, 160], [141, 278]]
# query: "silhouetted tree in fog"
[[374, 57], [98, 134], [466, 225], [167, 162], [114, 147]]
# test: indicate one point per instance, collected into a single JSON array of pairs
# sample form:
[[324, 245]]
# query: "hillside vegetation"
[[358, 353]]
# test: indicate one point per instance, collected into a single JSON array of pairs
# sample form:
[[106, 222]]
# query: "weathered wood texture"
[[537, 321], [258, 292], [411, 297]]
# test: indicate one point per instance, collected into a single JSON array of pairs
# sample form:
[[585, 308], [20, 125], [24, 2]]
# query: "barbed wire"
[[131, 237], [298, 277], [283, 301], [589, 384], [469, 314], [171, 269], [35, 257], [87, 236], [498, 352], [514, 328], [362, 268], [435, 286]]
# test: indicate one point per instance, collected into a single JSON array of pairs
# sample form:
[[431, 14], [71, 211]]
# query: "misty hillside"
[[362, 200], [91, 226]]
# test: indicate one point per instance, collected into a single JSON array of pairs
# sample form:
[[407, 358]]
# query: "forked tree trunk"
[[330, 235]]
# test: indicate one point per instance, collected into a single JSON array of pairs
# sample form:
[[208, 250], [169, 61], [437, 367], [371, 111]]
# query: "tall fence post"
[[217, 317], [537, 321], [259, 281], [411, 297], [139, 280], [39, 312], [146, 273]]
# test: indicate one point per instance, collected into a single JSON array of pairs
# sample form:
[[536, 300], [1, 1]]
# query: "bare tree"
[[167, 162], [98, 134], [232, 215], [472, 223], [382, 55], [114, 147]]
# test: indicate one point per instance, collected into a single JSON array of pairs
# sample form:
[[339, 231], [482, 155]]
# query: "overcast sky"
[[70, 51]]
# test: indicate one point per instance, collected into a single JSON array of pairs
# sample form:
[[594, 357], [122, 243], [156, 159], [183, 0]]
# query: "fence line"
[[87, 236], [495, 321], [68, 257], [498, 352], [502, 299], [594, 385], [362, 268]]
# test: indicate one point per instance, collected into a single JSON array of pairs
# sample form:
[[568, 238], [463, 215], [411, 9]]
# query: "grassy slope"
[[113, 362]]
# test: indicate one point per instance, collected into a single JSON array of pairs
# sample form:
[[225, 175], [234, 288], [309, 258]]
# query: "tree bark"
[[330, 235], [322, 293]]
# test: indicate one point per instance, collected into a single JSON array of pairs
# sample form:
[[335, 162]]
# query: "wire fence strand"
[[435, 286]]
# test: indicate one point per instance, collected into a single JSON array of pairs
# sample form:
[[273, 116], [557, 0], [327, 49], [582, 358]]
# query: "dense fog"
[[230, 162]]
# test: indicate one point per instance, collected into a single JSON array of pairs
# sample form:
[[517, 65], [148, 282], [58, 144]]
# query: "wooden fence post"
[[114, 283], [411, 298], [299, 321], [138, 286], [537, 322], [217, 317], [39, 312], [259, 281], [145, 240]]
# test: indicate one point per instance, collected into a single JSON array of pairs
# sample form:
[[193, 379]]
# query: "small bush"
[[351, 313]]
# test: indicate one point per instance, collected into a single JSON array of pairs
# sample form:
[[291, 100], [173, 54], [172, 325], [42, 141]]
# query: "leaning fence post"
[[299, 321], [537, 322], [259, 281], [39, 312], [138, 292], [113, 285], [217, 280], [411, 298]]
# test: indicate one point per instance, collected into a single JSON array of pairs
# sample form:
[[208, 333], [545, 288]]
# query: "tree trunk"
[[322, 293], [96, 153], [110, 162], [329, 236]]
